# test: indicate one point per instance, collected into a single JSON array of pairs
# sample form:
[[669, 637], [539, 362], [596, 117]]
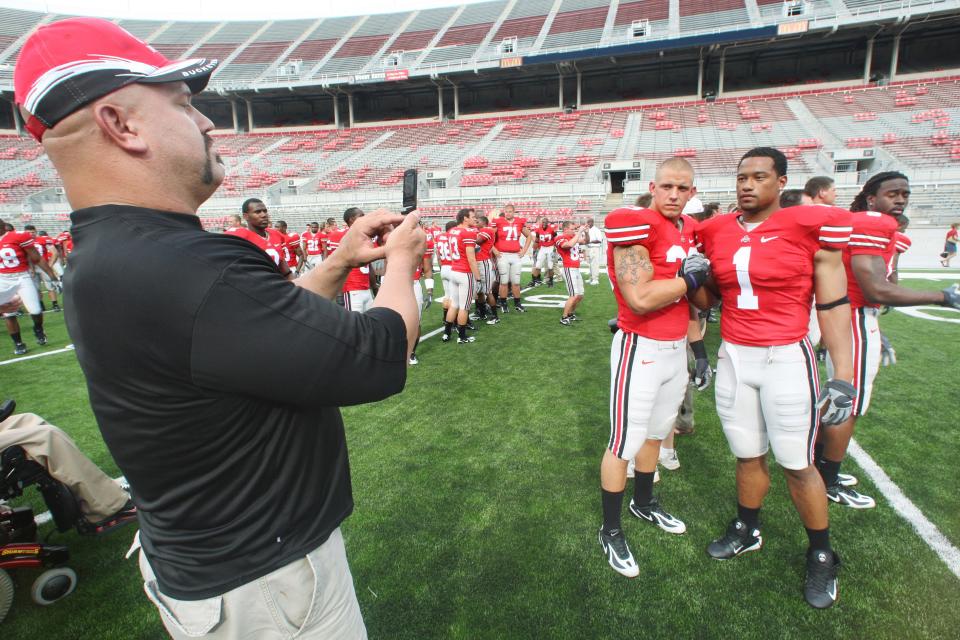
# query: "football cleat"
[[849, 497], [445, 338], [847, 480], [614, 545], [466, 340], [493, 321], [566, 321], [413, 359], [654, 514], [669, 460], [41, 337], [19, 349], [470, 327], [820, 588], [519, 308], [574, 317], [738, 539], [504, 308]]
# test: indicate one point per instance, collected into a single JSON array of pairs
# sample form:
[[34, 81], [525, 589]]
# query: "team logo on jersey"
[[745, 239]]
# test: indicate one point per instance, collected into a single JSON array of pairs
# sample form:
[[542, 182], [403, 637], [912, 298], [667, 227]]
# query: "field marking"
[[927, 531], [69, 347]]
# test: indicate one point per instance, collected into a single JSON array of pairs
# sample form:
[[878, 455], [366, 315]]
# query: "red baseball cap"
[[68, 64]]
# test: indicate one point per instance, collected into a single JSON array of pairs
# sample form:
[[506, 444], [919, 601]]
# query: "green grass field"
[[477, 502]]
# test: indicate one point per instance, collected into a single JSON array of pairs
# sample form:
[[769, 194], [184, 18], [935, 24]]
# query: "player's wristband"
[[836, 303], [699, 350]]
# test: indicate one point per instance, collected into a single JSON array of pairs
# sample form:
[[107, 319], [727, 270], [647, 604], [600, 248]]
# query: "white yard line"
[[67, 348], [927, 531]]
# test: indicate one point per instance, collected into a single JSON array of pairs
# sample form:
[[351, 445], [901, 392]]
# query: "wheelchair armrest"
[[6, 409]]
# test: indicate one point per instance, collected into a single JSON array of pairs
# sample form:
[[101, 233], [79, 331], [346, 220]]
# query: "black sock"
[[750, 517], [16, 337], [818, 453], [517, 302], [612, 505], [447, 328], [493, 311], [502, 301], [828, 471], [37, 323], [462, 331], [642, 488], [819, 539]]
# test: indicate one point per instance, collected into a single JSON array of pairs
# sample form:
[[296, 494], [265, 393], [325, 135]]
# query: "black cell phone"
[[409, 191]]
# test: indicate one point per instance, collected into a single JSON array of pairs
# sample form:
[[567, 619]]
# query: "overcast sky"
[[225, 9]]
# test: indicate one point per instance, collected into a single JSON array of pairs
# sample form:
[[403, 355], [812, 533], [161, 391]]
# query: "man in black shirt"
[[215, 382]]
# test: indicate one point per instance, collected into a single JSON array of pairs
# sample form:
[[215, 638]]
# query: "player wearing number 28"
[[646, 249], [767, 263]]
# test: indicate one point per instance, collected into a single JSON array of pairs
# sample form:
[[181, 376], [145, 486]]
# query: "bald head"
[[142, 145], [672, 187], [675, 164]]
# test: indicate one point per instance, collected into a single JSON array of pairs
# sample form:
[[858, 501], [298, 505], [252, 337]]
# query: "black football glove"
[[702, 372], [951, 296], [695, 270], [837, 399]]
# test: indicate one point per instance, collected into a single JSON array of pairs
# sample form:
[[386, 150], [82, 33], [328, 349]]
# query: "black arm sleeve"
[[258, 334]]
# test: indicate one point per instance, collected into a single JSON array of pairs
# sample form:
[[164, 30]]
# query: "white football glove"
[[887, 355], [951, 296], [695, 270], [702, 374], [836, 402]]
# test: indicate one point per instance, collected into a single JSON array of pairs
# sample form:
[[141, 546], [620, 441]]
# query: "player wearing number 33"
[[653, 264], [767, 263]]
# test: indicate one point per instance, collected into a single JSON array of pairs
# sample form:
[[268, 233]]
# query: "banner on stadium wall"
[[369, 77], [397, 74], [506, 63], [789, 28]]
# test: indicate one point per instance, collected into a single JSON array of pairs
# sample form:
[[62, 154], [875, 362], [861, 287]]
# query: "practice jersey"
[[441, 243], [765, 276], [13, 251], [485, 237], [314, 242], [273, 244], [571, 255], [509, 233], [359, 277], [667, 245], [546, 237], [459, 240], [873, 235]]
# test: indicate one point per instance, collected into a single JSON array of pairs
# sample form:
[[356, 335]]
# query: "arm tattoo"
[[630, 263]]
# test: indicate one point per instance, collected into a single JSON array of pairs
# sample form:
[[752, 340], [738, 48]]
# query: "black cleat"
[[820, 589], [654, 514], [519, 308], [470, 327], [849, 497], [618, 554], [19, 349], [493, 320], [41, 337], [736, 541]]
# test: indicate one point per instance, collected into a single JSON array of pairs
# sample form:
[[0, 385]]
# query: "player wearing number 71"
[[767, 263]]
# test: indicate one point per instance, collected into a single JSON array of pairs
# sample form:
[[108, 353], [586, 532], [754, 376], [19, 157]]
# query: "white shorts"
[[357, 300], [813, 328], [509, 267], [486, 276], [445, 271], [766, 398], [22, 284], [462, 288], [574, 280], [314, 261], [647, 381], [57, 268], [41, 277], [544, 258], [866, 356], [418, 294]]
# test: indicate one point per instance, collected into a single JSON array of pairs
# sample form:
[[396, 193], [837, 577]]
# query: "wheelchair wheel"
[[6, 593], [53, 585]]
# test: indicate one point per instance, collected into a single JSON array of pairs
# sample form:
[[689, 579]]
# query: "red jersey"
[[571, 255], [902, 244], [765, 275], [314, 242], [509, 233], [65, 240], [873, 235], [459, 240], [290, 250], [43, 245], [13, 251], [667, 245], [427, 253], [485, 236], [441, 243], [952, 235], [273, 244], [359, 277], [546, 237]]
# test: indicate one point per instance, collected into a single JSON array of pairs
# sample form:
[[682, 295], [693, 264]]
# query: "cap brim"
[[195, 72]]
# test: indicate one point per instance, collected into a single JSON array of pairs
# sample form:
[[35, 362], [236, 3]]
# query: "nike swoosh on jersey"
[[647, 361], [765, 240]]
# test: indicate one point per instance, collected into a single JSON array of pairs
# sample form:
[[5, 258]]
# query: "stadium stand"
[[354, 54], [421, 31], [260, 55], [524, 23], [579, 22], [461, 39]]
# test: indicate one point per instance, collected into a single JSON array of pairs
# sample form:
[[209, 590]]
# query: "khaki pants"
[[593, 257], [311, 597], [98, 495]]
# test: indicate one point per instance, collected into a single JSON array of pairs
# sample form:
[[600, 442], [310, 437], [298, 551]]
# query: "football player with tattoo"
[[767, 263], [653, 264], [868, 259]]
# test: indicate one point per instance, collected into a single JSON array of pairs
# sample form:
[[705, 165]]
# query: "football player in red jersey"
[[441, 243], [509, 228], [65, 244], [767, 263], [430, 232], [486, 254], [867, 259], [292, 251], [464, 273], [313, 240], [360, 284], [47, 248], [568, 246], [544, 239], [17, 253], [258, 232], [648, 357]]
